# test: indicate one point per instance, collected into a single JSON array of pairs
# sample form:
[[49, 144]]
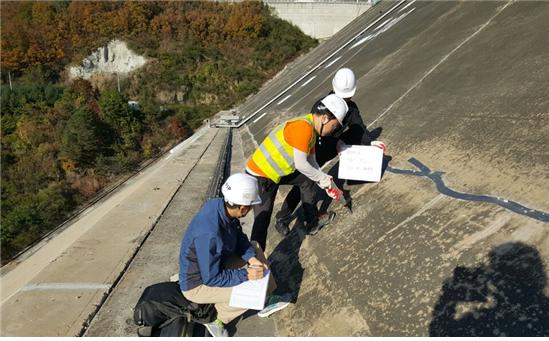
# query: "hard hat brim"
[[347, 94], [257, 201]]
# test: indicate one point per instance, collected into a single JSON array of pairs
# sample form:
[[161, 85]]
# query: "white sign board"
[[361, 163], [250, 294]]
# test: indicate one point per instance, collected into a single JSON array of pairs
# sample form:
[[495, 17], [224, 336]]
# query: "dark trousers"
[[267, 192], [324, 153]]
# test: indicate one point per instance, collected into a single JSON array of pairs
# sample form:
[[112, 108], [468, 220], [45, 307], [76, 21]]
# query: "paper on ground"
[[250, 294], [361, 163]]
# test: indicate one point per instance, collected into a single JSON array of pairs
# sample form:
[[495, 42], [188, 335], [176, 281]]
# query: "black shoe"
[[323, 220], [282, 228]]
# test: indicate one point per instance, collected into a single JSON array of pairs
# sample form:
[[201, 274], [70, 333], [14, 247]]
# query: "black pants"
[[267, 192], [324, 153]]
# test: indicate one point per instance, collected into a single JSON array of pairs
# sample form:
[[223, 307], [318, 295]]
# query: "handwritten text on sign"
[[361, 163]]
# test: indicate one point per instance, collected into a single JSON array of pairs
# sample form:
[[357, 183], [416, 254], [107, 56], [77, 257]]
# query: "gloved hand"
[[334, 192], [379, 144], [325, 182]]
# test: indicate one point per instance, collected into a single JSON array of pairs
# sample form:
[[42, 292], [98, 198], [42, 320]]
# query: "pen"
[[255, 266]]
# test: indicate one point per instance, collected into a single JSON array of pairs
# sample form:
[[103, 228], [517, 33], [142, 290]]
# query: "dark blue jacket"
[[211, 238]]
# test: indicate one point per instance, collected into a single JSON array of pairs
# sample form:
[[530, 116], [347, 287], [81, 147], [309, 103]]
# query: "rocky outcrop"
[[115, 58]]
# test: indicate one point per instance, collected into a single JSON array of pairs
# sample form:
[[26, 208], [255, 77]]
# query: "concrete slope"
[[158, 257], [454, 239], [55, 291]]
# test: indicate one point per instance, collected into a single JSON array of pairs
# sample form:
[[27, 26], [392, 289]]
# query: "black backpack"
[[162, 310]]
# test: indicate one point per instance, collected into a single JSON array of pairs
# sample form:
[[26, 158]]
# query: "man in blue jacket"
[[216, 255]]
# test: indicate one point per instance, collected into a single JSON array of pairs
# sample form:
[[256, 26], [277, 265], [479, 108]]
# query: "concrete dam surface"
[[458, 90], [454, 240], [319, 19]]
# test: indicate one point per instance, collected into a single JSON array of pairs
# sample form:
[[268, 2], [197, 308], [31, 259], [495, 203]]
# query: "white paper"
[[250, 294], [361, 163]]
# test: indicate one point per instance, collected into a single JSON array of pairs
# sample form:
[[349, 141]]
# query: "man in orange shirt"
[[287, 152]]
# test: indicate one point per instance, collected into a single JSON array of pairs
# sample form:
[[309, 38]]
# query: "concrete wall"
[[319, 19]]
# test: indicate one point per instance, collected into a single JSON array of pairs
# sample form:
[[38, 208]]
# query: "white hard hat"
[[344, 83], [241, 189], [337, 106]]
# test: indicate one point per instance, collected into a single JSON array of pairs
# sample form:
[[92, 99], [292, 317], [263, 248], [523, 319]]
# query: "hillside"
[[63, 141]]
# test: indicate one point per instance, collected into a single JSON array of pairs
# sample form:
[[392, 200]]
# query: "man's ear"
[[324, 119]]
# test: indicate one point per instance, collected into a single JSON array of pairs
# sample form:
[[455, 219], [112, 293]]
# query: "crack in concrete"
[[436, 177]]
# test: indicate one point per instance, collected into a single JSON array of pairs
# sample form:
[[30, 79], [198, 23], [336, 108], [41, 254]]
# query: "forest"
[[63, 140]]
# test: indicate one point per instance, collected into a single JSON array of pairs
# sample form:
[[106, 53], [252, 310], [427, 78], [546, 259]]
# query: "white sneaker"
[[275, 303], [216, 329]]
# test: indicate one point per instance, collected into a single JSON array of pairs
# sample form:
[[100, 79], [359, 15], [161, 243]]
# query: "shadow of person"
[[502, 298], [286, 269], [285, 263]]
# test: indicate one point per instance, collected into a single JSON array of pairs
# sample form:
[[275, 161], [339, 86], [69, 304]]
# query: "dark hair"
[[230, 205], [321, 109]]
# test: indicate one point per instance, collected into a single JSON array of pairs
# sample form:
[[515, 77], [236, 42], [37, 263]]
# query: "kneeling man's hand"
[[255, 268]]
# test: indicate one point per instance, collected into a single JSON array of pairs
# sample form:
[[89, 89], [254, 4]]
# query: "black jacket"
[[353, 132]]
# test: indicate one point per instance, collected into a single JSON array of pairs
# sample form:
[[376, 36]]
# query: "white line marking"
[[394, 21], [282, 100], [252, 136], [332, 62], [363, 40], [323, 61], [439, 63], [408, 5], [470, 240], [260, 117], [307, 82], [65, 286], [388, 24], [383, 24]]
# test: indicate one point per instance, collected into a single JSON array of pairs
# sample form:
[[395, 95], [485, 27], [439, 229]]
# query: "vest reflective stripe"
[[275, 157], [286, 152], [270, 161]]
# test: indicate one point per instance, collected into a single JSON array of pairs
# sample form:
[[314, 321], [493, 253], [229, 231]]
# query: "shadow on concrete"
[[285, 263], [375, 133], [502, 298], [286, 269]]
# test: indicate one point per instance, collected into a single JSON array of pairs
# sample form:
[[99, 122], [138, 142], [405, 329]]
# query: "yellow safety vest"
[[274, 156]]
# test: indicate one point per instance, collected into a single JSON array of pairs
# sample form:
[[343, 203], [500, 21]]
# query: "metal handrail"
[[222, 169]]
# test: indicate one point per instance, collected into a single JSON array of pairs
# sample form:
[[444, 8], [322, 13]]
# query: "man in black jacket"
[[353, 132]]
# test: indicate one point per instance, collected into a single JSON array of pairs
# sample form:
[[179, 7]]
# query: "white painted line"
[[332, 62], [410, 11], [439, 63], [307, 82], [386, 26], [395, 21], [260, 117], [408, 5], [363, 40], [323, 61], [282, 100], [65, 286], [384, 23], [471, 240]]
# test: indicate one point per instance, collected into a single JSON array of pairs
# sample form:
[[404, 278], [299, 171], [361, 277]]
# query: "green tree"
[[118, 115], [79, 141]]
